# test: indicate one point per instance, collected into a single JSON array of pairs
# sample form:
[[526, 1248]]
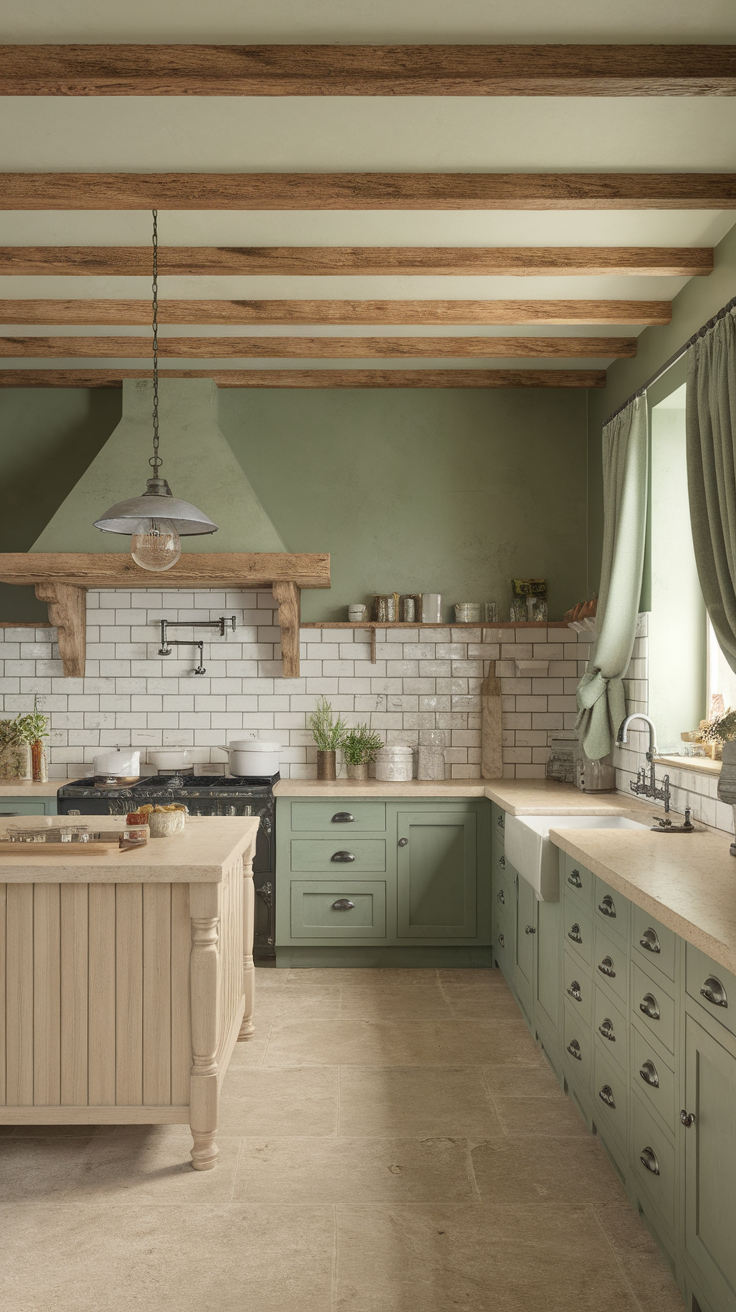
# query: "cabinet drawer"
[[504, 949], [611, 1099], [611, 909], [652, 942], [339, 817], [713, 987], [498, 824], [578, 1049], [499, 863], [578, 931], [344, 855], [653, 1007], [609, 1029], [652, 1076], [21, 806], [327, 910], [653, 1160], [576, 879], [611, 962], [578, 987]]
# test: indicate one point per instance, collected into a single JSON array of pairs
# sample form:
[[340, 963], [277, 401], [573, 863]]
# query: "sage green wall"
[[694, 305], [454, 491]]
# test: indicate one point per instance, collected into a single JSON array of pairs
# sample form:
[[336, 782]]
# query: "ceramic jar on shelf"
[[395, 763]]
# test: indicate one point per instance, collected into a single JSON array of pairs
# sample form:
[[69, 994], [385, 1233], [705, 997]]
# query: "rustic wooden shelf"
[[373, 625], [62, 580]]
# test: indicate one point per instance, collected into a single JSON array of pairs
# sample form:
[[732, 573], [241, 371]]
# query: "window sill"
[[698, 764]]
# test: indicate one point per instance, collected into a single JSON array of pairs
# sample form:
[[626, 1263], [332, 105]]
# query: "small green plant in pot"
[[34, 728], [15, 755], [359, 748], [328, 734]]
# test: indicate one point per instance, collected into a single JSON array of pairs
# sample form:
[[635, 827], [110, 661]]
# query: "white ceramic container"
[[250, 758], [431, 608], [395, 764], [170, 759], [118, 767]]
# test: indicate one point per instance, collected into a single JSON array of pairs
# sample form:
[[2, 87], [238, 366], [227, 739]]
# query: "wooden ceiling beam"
[[317, 348], [325, 378], [321, 261], [116, 313], [367, 191], [367, 70]]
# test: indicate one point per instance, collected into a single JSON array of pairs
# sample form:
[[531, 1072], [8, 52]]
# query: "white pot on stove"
[[119, 767], [250, 758]]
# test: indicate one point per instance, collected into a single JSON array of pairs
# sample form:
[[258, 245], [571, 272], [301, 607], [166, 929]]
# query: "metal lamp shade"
[[155, 503]]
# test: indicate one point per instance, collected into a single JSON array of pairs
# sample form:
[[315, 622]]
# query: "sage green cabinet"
[[547, 999], [381, 883], [710, 1156], [437, 874], [526, 929], [28, 805]]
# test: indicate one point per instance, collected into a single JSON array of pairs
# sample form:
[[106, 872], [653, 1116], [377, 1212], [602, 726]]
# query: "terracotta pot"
[[358, 771], [326, 765]]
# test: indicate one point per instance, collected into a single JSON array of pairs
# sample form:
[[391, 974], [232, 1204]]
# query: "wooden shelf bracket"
[[67, 605]]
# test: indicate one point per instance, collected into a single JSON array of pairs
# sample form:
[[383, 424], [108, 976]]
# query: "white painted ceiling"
[[354, 134]]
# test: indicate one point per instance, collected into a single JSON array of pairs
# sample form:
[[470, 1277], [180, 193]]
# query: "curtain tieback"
[[592, 687]]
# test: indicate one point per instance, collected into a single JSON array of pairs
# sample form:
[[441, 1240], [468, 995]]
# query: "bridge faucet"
[[642, 787]]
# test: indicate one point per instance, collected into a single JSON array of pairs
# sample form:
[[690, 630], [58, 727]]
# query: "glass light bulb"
[[156, 546]]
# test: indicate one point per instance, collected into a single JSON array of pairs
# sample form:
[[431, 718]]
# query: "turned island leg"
[[204, 980], [249, 974]]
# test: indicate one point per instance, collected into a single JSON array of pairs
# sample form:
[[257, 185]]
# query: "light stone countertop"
[[24, 788], [517, 796], [199, 855], [686, 881]]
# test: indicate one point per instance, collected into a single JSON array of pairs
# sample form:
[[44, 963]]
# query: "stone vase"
[[357, 771], [326, 765]]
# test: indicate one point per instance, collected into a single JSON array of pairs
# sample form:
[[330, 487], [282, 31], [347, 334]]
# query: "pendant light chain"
[[155, 460]]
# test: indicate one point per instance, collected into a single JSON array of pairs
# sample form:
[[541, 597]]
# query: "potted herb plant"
[[34, 728], [716, 732], [15, 754], [359, 748], [328, 734]]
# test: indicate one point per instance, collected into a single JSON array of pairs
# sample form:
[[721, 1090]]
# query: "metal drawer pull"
[[342, 856], [649, 1006], [343, 904], [501, 897], [650, 1074], [606, 968], [607, 907], [574, 879], [574, 934], [502, 940], [605, 1029], [343, 818], [650, 941], [529, 929], [687, 1118], [606, 1095], [573, 1048], [574, 991], [648, 1158], [502, 863], [714, 992]]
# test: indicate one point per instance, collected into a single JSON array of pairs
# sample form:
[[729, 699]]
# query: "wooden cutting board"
[[491, 727], [95, 847]]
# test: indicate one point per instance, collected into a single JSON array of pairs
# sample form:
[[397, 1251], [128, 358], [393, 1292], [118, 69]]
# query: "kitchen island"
[[126, 978]]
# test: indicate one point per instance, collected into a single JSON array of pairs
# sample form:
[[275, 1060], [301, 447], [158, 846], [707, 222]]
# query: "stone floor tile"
[[639, 1258], [522, 1082], [489, 1003], [262, 1100], [402, 1043], [236, 1258], [475, 1259], [340, 1170], [416, 1100], [569, 1171], [556, 1117], [392, 1002], [44, 1168], [251, 1052]]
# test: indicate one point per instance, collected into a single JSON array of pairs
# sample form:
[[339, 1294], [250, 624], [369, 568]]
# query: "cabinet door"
[[547, 986], [710, 1155], [26, 806], [526, 929], [437, 874]]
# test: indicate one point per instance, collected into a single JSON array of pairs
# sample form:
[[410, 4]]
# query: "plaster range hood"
[[71, 555]]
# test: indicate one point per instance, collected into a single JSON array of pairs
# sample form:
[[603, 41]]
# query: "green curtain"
[[601, 699], [711, 476]]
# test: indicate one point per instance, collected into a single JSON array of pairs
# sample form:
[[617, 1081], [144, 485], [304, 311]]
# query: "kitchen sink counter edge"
[[686, 881]]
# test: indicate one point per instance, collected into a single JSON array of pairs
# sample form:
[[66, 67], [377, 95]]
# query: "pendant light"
[[157, 519]]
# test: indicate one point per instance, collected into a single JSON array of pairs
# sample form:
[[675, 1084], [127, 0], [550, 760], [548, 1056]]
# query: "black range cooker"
[[203, 794]]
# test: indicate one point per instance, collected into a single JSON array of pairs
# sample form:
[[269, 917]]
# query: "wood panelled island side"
[[126, 978]]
